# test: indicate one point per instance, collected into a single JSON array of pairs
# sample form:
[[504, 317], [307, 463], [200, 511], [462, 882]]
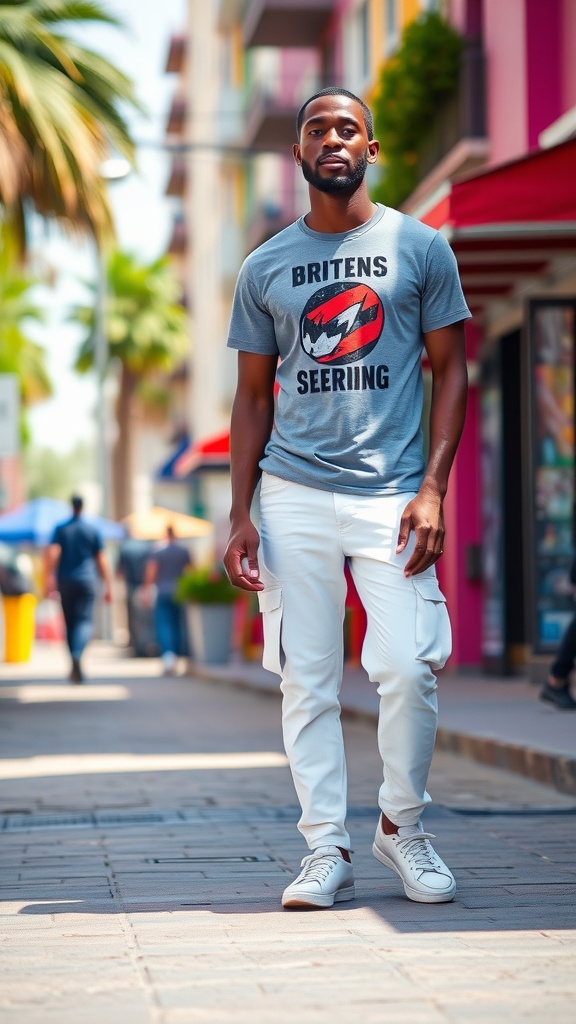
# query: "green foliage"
[[206, 585], [413, 83], [50, 474], [60, 114], [154, 397], [19, 354], [145, 324]]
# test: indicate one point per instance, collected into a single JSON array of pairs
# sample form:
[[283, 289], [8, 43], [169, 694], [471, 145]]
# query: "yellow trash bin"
[[18, 626]]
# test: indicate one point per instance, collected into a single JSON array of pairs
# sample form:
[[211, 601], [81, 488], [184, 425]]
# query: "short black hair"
[[336, 90], [77, 502]]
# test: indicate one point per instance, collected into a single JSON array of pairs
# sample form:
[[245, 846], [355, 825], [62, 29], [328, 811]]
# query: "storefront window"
[[552, 337]]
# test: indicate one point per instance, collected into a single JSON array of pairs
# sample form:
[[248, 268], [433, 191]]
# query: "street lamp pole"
[[114, 169], [101, 362]]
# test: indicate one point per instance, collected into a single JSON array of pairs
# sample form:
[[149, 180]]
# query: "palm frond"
[[59, 115]]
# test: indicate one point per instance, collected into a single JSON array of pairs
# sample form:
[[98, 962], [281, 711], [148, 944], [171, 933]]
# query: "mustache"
[[333, 156]]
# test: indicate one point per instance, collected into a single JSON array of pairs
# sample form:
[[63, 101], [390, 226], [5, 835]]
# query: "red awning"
[[509, 222], [539, 188], [213, 451]]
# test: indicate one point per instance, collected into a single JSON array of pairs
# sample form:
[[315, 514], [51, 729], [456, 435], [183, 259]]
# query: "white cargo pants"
[[305, 536]]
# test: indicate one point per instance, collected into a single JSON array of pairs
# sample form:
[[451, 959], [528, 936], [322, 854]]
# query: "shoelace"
[[317, 866], [417, 849]]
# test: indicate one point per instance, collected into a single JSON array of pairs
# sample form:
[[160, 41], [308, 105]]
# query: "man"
[[164, 569], [556, 688], [131, 566], [346, 298], [74, 559]]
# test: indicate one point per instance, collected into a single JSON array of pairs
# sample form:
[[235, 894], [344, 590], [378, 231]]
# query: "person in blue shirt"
[[74, 560], [163, 571]]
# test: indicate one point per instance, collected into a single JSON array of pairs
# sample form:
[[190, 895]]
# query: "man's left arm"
[[51, 556], [424, 514], [105, 574]]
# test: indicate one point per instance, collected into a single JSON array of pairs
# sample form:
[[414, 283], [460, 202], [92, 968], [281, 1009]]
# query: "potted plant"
[[209, 598]]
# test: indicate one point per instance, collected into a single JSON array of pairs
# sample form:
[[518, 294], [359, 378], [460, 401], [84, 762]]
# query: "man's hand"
[[241, 557], [425, 517]]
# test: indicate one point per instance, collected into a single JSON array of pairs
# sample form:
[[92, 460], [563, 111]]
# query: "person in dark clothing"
[[131, 566], [556, 689], [74, 559], [164, 569]]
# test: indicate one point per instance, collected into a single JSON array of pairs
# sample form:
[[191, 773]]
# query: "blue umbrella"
[[35, 521]]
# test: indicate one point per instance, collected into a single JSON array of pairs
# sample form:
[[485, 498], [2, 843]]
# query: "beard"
[[339, 184]]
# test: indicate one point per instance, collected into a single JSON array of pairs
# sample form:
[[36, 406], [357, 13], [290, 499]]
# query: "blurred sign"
[[9, 415], [552, 337]]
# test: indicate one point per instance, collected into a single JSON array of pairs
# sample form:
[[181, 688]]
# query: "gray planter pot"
[[210, 630]]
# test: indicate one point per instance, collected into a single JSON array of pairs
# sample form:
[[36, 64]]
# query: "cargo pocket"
[[433, 631], [270, 602]]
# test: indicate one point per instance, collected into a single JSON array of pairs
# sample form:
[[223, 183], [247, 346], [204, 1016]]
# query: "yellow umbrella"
[[152, 524]]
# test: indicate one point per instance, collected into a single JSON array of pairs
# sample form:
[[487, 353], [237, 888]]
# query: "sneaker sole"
[[319, 900], [414, 894]]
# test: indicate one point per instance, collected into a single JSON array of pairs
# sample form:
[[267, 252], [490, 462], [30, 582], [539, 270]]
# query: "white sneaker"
[[410, 854], [169, 662], [326, 878]]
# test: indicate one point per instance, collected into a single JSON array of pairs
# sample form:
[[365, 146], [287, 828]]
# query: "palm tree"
[[146, 329], [59, 115], [18, 353]]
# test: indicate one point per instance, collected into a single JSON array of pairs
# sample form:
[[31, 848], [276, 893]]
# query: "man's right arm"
[[250, 428], [51, 557]]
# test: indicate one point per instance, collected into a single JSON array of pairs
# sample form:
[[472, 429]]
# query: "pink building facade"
[[495, 178], [512, 224]]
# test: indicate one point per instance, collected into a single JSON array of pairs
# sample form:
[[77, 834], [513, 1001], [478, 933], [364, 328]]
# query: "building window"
[[391, 16], [357, 46], [391, 26]]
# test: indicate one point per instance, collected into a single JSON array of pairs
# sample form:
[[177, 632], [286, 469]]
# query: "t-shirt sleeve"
[[55, 538], [97, 542], [251, 325], [443, 301]]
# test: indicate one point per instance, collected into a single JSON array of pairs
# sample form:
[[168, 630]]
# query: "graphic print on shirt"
[[341, 323]]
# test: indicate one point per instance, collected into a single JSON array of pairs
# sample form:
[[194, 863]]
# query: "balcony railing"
[[271, 111], [178, 243], [176, 53], [270, 122], [460, 117], [178, 174], [285, 22], [267, 220], [176, 116]]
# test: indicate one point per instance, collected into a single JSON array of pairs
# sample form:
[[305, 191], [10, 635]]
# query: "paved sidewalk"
[[148, 829], [495, 721]]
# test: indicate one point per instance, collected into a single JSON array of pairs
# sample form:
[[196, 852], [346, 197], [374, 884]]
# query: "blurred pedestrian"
[[556, 689], [74, 560], [131, 567], [344, 475], [163, 570]]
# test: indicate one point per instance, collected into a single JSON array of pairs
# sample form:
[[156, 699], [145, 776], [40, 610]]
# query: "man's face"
[[334, 149]]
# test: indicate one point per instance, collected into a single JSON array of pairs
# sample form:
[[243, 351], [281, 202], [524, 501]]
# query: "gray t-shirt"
[[345, 313], [171, 560]]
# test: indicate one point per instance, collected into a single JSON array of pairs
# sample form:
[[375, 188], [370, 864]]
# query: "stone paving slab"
[[497, 721]]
